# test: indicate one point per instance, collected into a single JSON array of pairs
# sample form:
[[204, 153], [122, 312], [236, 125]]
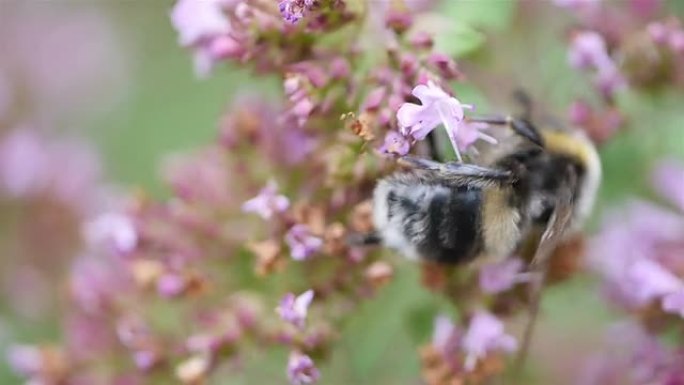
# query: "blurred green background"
[[166, 109]]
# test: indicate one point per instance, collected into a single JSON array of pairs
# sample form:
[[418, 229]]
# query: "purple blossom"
[[24, 163], [301, 369], [632, 357], [501, 276], [302, 243], [485, 334], [294, 10], [632, 255], [205, 26], [588, 51], [115, 231], [199, 19], [674, 303], [26, 360], [395, 143], [437, 107], [95, 283], [171, 285], [293, 309], [267, 203], [445, 336], [650, 280], [668, 180]]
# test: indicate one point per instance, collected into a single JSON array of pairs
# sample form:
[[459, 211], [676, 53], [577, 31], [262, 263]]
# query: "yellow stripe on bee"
[[560, 142]]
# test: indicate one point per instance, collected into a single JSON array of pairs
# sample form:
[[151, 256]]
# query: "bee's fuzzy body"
[[432, 215]]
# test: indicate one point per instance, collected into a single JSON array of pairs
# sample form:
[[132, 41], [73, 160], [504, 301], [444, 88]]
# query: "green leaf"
[[486, 14], [453, 38], [379, 326]]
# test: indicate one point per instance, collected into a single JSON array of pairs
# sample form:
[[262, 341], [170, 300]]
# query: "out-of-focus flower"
[[576, 4], [268, 202], [301, 369], [649, 280], [302, 243], [195, 20], [194, 369], [114, 231], [295, 10], [632, 357], [294, 309], [24, 163], [588, 50], [437, 107], [485, 334], [668, 180], [501, 276], [171, 285], [395, 144], [96, 283], [34, 40], [636, 252], [444, 334], [66, 171], [205, 26], [200, 177], [41, 365]]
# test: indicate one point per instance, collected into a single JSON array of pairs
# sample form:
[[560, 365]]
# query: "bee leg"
[[460, 170], [520, 126], [421, 163], [364, 239]]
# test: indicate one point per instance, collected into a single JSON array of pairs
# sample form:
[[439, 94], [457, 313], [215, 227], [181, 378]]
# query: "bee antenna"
[[523, 99]]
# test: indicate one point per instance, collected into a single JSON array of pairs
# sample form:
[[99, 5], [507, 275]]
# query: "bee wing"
[[552, 235], [559, 221]]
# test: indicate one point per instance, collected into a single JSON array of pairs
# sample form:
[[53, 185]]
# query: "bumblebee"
[[540, 181]]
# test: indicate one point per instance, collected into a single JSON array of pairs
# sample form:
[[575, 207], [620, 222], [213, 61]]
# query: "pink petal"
[[409, 114], [668, 179]]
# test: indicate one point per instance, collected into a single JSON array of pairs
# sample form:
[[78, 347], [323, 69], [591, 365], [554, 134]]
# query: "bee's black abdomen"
[[453, 223]]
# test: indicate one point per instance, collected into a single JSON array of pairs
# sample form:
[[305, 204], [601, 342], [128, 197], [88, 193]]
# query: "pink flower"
[[24, 163], [499, 277], [668, 180], [114, 231], [485, 334], [674, 303], [198, 19], [294, 10], [294, 309], [445, 335], [302, 243], [588, 50], [301, 369], [649, 280], [26, 360], [204, 25], [437, 107], [395, 143], [577, 5], [267, 202]]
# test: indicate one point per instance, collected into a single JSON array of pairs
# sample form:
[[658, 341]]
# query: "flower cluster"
[[638, 252], [472, 354], [633, 356], [251, 248]]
